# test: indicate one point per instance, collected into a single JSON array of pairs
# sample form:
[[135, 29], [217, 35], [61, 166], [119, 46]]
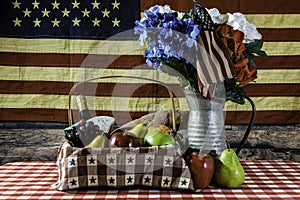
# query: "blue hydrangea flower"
[[170, 40]]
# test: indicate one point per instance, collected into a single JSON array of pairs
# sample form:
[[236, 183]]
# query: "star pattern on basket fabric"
[[166, 181], [129, 179], [149, 160], [111, 160], [114, 168], [92, 161], [147, 180], [93, 180], [111, 180], [168, 161], [130, 159], [72, 162], [184, 182], [73, 182]]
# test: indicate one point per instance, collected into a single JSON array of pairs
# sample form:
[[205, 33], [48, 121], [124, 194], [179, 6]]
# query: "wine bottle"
[[84, 112]]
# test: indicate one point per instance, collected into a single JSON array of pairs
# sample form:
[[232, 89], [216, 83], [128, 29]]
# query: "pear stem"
[[237, 151], [228, 145]]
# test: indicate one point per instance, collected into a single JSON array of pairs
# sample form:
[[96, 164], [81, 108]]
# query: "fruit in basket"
[[202, 167], [124, 139], [70, 135], [162, 128], [82, 133], [100, 141], [229, 172], [139, 130], [157, 138]]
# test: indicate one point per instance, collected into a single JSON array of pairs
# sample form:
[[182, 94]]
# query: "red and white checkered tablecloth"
[[264, 180]]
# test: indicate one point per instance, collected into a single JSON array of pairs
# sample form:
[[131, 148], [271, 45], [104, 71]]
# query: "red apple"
[[124, 139], [202, 168]]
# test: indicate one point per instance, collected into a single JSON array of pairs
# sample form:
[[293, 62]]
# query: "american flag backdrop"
[[47, 46]]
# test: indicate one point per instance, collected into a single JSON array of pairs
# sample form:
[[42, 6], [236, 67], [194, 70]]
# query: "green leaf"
[[234, 93], [185, 73], [254, 48], [169, 70], [231, 55], [262, 53]]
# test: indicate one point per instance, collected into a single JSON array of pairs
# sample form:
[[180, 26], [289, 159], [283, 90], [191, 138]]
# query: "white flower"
[[251, 33], [143, 38], [180, 15], [165, 9], [216, 16], [239, 22]]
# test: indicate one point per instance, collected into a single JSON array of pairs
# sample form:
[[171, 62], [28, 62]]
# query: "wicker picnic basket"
[[155, 167]]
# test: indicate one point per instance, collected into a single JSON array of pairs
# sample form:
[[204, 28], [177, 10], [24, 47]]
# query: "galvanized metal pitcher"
[[206, 124]]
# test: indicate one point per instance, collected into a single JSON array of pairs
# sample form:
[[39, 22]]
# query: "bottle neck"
[[81, 102], [83, 108]]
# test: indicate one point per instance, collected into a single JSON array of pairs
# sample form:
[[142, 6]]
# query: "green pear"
[[139, 130], [229, 172], [100, 141], [156, 138]]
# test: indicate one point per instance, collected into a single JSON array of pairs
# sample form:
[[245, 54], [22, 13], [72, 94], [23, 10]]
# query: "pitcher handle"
[[237, 151]]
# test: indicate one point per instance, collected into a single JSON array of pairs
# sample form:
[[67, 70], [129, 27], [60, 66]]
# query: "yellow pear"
[[139, 130], [101, 141]]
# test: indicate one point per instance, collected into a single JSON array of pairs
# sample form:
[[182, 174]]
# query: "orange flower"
[[233, 41]]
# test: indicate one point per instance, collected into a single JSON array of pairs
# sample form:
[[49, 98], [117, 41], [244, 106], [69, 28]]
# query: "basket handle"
[[70, 117]]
